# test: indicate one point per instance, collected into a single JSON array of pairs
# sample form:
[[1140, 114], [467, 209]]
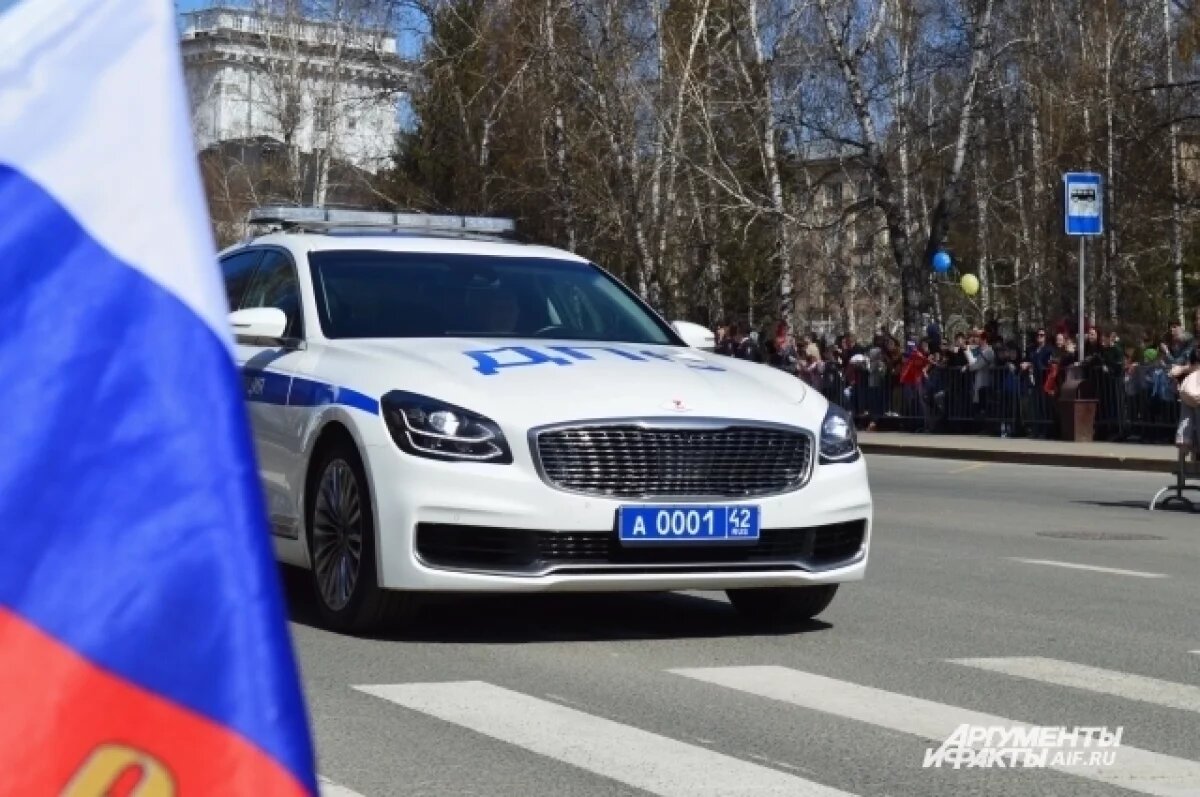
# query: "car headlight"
[[426, 427], [839, 440]]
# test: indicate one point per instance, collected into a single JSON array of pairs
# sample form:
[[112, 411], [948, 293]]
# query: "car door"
[[267, 374]]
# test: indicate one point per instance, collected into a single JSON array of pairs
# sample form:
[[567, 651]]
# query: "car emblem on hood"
[[677, 405]]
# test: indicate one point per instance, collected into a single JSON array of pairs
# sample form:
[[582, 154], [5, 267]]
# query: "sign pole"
[[1084, 216], [1082, 271]]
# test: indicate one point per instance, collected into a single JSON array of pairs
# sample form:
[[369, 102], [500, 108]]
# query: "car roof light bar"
[[318, 219]]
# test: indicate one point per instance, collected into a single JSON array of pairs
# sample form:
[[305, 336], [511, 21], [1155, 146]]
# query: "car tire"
[[340, 521], [782, 604]]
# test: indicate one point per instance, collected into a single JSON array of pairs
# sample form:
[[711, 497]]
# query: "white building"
[[313, 85]]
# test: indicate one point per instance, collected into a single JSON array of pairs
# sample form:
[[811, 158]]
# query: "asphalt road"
[[673, 695]]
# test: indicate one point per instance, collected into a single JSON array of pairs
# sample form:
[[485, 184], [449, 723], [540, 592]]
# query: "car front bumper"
[[500, 528]]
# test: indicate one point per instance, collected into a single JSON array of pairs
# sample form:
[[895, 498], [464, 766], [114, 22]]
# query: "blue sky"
[[192, 5]]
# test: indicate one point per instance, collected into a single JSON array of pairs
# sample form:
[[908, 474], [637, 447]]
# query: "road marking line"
[[965, 468], [1094, 679], [1095, 568], [328, 788], [1136, 770], [610, 749]]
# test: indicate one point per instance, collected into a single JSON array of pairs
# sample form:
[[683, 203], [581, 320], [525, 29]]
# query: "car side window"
[[238, 271], [276, 285]]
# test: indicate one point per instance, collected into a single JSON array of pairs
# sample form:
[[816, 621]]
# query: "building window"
[[833, 194]]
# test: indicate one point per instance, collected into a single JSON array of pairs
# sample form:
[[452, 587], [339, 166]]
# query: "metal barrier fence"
[[1007, 400]]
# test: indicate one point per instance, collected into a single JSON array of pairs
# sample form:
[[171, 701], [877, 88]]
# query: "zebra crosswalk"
[[660, 765], [1136, 770], [614, 750], [1095, 679]]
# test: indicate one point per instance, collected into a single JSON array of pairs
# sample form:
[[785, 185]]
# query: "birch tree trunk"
[[1033, 98], [671, 155], [943, 211], [982, 191], [1173, 144], [1111, 250], [1090, 271], [563, 185], [1025, 239], [787, 299], [886, 195]]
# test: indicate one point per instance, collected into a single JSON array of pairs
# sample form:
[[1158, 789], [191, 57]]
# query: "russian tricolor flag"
[[143, 644]]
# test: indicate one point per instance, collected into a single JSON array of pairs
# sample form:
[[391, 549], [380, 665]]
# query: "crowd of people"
[[980, 380]]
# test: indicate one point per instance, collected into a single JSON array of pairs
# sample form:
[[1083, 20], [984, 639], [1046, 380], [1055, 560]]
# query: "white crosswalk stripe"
[[623, 753], [1113, 571], [330, 789], [1094, 679], [1134, 769]]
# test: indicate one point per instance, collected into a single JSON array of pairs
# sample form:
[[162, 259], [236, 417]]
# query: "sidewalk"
[[1112, 456]]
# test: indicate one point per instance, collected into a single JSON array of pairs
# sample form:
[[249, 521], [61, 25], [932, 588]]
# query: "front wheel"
[[782, 604], [341, 538]]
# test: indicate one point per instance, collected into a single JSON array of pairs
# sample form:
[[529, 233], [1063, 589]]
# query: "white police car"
[[437, 407]]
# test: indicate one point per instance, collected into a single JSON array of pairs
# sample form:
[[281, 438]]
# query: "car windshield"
[[373, 294]]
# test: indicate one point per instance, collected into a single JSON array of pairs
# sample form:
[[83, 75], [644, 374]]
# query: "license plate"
[[687, 524]]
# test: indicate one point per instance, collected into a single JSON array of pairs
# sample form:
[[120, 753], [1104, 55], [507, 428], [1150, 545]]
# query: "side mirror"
[[696, 336], [261, 325]]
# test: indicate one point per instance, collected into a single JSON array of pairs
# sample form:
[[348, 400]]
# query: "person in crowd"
[[833, 380], [981, 359], [727, 344], [1161, 388], [812, 367], [912, 378], [933, 331], [782, 352], [933, 390], [812, 350], [958, 352], [720, 334], [1007, 386], [737, 343], [1070, 352], [893, 360], [1176, 344], [1187, 431], [875, 373], [748, 347]]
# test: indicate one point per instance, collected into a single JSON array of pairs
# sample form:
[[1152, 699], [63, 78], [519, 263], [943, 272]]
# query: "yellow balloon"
[[970, 284]]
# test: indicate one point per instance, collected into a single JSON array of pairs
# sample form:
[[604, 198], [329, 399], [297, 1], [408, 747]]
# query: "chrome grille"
[[635, 461]]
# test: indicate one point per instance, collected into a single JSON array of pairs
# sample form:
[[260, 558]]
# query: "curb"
[[1093, 461]]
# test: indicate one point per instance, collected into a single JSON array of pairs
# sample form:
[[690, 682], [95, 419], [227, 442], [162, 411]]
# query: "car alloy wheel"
[[337, 534]]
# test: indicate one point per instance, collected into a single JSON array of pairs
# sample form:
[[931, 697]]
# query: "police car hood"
[[534, 382]]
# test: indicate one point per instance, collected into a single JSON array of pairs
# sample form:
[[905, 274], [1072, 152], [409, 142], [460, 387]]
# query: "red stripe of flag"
[[81, 731]]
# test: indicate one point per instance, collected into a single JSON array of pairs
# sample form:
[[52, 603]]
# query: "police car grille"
[[637, 462], [531, 552]]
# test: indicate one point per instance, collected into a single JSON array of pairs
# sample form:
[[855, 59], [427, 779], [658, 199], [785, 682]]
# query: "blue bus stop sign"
[[1083, 203]]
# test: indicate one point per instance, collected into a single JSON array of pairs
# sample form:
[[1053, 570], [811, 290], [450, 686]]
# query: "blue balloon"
[[941, 262]]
